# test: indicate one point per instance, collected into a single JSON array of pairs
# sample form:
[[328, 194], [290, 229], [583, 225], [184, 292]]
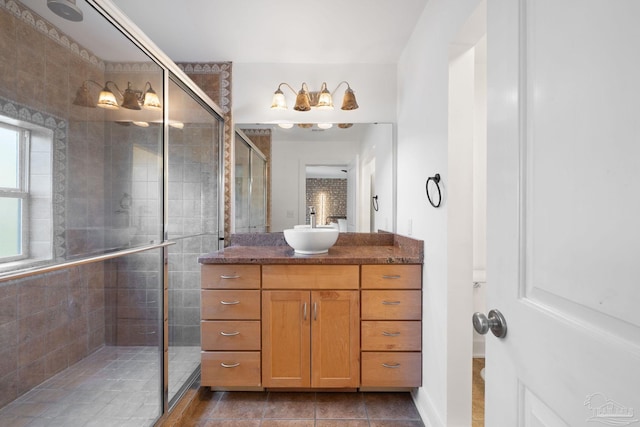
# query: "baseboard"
[[427, 411], [479, 348]]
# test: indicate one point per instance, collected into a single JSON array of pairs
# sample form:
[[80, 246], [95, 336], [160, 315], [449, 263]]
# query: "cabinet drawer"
[[230, 369], [230, 276], [310, 276], [391, 305], [394, 276], [230, 335], [232, 304], [391, 369], [391, 335]]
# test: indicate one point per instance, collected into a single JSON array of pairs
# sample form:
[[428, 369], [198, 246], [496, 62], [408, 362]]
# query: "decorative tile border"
[[223, 72], [132, 67], [36, 21]]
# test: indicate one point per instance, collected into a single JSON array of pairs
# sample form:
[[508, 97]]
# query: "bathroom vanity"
[[348, 319]]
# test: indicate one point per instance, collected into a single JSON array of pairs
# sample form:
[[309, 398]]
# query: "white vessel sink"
[[309, 241]]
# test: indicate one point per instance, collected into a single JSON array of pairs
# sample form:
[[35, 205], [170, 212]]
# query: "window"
[[14, 192], [27, 191]]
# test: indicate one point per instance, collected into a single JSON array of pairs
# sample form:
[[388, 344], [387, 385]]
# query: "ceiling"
[[277, 31]]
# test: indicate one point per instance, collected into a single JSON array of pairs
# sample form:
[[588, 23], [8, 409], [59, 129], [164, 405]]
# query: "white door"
[[564, 212]]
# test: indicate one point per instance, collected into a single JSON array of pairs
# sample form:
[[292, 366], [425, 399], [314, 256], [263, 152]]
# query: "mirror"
[[361, 156]]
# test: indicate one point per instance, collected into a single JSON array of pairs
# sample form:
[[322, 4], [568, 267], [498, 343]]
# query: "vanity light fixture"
[[325, 125], [322, 99], [132, 99]]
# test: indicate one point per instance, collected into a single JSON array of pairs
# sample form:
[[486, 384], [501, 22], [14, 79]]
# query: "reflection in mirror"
[[326, 190], [250, 177], [365, 151]]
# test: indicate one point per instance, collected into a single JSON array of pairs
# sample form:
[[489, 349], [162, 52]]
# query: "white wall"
[[254, 84], [422, 138]]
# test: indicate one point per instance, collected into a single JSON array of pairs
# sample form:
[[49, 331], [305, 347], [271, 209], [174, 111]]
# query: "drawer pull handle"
[[391, 334], [386, 365], [235, 276], [229, 302], [390, 302], [229, 334], [304, 312], [391, 276], [230, 365]]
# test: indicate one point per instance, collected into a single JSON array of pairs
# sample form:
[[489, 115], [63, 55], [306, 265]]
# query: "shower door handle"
[[494, 322]]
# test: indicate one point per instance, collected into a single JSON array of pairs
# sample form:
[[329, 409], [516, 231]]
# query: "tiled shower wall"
[[335, 198], [193, 223], [48, 323], [51, 321], [215, 79]]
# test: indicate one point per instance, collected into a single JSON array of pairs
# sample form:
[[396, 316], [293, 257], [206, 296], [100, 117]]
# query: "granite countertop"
[[351, 248]]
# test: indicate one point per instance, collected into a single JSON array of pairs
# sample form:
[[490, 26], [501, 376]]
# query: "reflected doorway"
[[327, 189]]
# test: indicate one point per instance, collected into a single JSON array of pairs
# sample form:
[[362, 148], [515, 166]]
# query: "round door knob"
[[494, 322]]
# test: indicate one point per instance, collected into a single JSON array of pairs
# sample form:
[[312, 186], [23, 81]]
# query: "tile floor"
[[115, 386], [118, 386], [308, 409]]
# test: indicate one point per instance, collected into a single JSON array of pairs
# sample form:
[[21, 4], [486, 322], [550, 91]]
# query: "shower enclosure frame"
[[170, 72]]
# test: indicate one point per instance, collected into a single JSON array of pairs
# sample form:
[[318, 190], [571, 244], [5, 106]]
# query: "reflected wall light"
[[132, 99], [322, 99], [322, 126]]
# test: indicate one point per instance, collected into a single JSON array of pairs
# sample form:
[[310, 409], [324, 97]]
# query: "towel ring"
[[374, 200], [436, 180]]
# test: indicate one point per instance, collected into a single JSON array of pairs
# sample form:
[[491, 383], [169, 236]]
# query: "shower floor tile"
[[115, 386]]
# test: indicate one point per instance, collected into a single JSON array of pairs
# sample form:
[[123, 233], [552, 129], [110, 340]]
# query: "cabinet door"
[[286, 338], [335, 339]]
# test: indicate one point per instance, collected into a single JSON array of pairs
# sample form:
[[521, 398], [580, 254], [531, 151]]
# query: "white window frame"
[[22, 191]]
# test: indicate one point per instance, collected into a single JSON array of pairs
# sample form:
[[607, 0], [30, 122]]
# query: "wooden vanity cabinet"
[[230, 326], [311, 338], [312, 326], [391, 325]]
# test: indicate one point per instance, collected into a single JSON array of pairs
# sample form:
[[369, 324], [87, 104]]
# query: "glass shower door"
[[194, 144]]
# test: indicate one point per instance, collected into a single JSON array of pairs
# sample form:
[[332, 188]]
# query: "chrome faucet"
[[312, 216]]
